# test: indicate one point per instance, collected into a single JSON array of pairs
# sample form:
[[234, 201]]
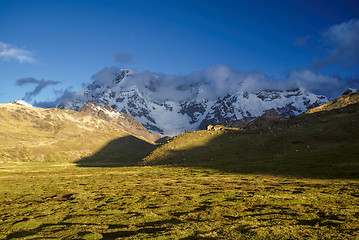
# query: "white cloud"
[[331, 85], [106, 75], [314, 82], [10, 52], [211, 83], [342, 41]]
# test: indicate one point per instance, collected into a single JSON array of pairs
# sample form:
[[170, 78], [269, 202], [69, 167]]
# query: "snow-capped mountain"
[[350, 91], [238, 105], [167, 107], [21, 103]]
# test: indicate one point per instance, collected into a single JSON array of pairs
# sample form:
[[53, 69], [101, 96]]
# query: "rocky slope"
[[125, 121], [186, 108]]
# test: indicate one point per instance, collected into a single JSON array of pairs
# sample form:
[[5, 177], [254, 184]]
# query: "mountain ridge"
[[187, 107]]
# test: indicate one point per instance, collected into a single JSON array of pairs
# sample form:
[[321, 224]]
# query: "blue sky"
[[47, 47]]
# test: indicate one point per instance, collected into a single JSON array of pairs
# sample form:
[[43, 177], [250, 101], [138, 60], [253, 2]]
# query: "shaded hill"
[[120, 152], [37, 134], [321, 145]]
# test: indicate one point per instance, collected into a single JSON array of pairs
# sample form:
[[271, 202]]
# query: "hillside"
[[348, 98], [325, 145], [125, 121], [48, 135]]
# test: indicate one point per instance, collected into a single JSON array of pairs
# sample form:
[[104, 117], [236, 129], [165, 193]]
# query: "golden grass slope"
[[340, 102], [37, 134]]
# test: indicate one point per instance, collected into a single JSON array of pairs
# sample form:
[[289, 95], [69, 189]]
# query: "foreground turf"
[[158, 202]]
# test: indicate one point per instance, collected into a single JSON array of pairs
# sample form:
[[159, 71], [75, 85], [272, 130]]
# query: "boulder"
[[218, 128]]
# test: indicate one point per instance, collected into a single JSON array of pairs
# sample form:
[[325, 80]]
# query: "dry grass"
[[159, 202], [340, 102]]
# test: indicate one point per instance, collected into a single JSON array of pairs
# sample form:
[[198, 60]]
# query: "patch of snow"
[[351, 91], [21, 103]]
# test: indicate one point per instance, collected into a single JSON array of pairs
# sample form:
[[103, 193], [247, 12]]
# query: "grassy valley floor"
[[295, 178], [64, 201]]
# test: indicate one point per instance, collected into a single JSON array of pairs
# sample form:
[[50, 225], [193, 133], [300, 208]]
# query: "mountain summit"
[[170, 105]]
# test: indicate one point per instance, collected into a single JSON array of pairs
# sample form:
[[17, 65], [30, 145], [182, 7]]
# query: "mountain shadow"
[[124, 151], [321, 145]]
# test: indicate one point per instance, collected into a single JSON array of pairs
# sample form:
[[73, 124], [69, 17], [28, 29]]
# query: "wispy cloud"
[[300, 41], [40, 84], [342, 41], [10, 52], [61, 95], [124, 58], [331, 85]]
